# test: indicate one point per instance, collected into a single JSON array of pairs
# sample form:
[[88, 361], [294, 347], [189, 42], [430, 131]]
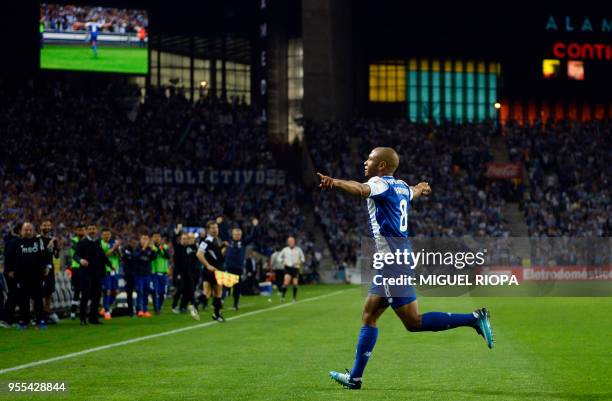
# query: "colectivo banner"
[[167, 176]]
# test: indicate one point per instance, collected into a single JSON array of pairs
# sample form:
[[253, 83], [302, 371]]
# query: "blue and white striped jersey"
[[388, 206]]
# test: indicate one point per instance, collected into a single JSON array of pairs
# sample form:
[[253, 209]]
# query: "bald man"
[[388, 202], [33, 263]]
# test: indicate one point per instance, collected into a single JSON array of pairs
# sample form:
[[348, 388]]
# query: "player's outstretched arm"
[[350, 187], [420, 189]]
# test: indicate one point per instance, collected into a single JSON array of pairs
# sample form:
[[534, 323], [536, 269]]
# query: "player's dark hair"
[[106, 229], [17, 227]]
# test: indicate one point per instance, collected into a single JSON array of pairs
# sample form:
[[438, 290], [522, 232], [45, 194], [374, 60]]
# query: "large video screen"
[[87, 38]]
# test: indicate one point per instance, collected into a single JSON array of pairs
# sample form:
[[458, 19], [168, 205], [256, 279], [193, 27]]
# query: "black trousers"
[[1, 296], [250, 286], [91, 290], [187, 285], [130, 283], [237, 288], [7, 313], [237, 291], [75, 283], [279, 277], [31, 288]]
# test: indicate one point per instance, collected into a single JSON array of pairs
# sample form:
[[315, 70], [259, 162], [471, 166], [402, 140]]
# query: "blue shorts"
[[110, 282], [93, 37], [397, 295]]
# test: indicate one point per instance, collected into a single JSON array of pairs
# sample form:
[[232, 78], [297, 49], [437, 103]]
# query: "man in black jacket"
[[186, 264], [235, 256], [33, 263], [92, 259], [210, 255], [7, 314], [251, 280], [129, 273], [53, 248]]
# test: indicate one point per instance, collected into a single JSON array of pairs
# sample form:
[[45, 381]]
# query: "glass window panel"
[[412, 111], [470, 111], [459, 111], [481, 112], [448, 111]]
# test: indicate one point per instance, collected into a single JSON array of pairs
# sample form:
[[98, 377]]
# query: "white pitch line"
[[157, 335]]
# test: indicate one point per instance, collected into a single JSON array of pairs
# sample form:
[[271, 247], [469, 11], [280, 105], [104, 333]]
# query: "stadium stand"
[[79, 153], [568, 166]]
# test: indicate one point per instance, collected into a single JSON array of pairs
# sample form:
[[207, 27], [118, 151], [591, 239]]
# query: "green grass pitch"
[[132, 60], [547, 349]]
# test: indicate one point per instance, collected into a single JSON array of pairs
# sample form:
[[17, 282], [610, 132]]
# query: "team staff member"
[[251, 282], [210, 254], [52, 246], [292, 258], [159, 269], [143, 256], [32, 263], [129, 273], [186, 265], [75, 279], [235, 256], [278, 269], [110, 284], [92, 261], [176, 277], [7, 315]]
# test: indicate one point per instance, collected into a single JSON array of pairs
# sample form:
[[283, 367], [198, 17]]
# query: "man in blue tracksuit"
[[142, 258], [235, 255], [129, 273]]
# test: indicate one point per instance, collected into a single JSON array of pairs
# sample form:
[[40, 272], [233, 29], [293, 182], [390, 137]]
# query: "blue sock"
[[438, 321], [365, 345]]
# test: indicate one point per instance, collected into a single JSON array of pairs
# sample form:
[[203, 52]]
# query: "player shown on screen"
[[388, 202], [92, 33]]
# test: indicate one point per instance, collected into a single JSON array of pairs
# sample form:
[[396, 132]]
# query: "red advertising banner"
[[553, 273], [504, 171]]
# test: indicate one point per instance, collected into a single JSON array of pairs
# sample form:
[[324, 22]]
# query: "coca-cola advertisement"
[[504, 171]]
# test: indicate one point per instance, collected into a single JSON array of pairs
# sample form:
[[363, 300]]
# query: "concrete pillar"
[[328, 69]]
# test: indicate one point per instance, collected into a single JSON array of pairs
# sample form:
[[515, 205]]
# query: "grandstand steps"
[[519, 245], [511, 211], [499, 150], [327, 267], [516, 220]]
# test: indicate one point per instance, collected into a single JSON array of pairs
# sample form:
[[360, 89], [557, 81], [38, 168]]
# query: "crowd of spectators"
[[67, 18], [78, 153], [569, 165], [451, 157]]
